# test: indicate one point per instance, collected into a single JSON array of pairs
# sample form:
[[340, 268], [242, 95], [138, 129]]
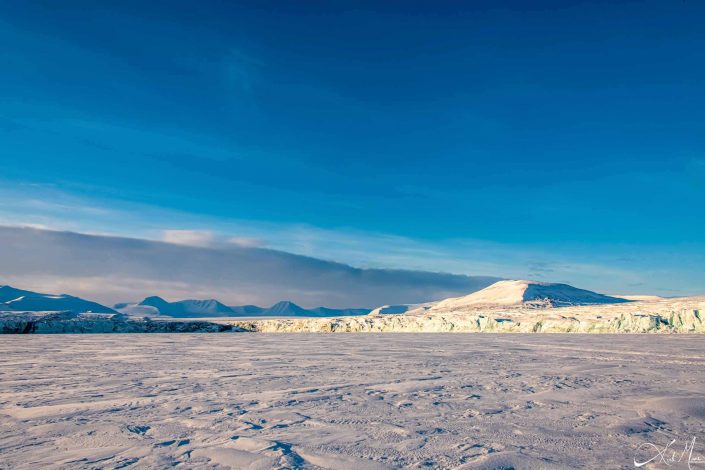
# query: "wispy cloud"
[[188, 237]]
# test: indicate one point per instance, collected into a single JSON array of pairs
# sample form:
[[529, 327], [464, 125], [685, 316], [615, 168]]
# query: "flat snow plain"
[[405, 400]]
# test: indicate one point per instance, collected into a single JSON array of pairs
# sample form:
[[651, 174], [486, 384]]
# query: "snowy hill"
[[522, 292], [12, 299]]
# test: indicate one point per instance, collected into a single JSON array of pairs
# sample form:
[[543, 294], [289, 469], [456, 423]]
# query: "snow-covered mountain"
[[12, 299], [285, 308], [188, 308], [154, 305], [248, 310], [527, 293], [511, 293]]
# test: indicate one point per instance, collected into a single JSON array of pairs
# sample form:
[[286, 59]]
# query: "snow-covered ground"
[[348, 401]]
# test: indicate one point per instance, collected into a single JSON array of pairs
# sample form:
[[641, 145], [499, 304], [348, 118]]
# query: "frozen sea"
[[366, 400]]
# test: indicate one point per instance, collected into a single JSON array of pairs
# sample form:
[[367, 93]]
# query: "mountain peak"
[[154, 301], [518, 292], [286, 307], [153, 298]]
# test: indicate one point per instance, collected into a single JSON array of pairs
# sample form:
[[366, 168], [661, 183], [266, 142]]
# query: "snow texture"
[[247, 401]]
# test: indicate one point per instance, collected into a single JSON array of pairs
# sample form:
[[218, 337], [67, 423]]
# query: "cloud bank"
[[112, 269]]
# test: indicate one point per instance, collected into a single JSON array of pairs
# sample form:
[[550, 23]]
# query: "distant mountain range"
[[18, 300], [212, 308], [12, 299], [505, 293]]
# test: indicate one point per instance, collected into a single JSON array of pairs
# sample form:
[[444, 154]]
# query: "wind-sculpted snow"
[[69, 322], [684, 315], [261, 401]]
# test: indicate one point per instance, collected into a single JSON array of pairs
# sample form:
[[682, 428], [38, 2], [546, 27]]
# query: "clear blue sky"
[[575, 129]]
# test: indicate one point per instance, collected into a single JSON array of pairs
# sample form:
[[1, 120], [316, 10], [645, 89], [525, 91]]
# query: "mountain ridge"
[[196, 308], [18, 300]]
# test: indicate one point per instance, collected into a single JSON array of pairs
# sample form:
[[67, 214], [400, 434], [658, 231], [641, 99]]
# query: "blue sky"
[[563, 140]]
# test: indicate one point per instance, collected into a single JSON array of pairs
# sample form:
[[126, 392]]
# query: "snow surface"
[[641, 297], [263, 401]]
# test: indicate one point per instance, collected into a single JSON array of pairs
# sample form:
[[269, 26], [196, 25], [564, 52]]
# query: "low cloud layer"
[[113, 269]]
